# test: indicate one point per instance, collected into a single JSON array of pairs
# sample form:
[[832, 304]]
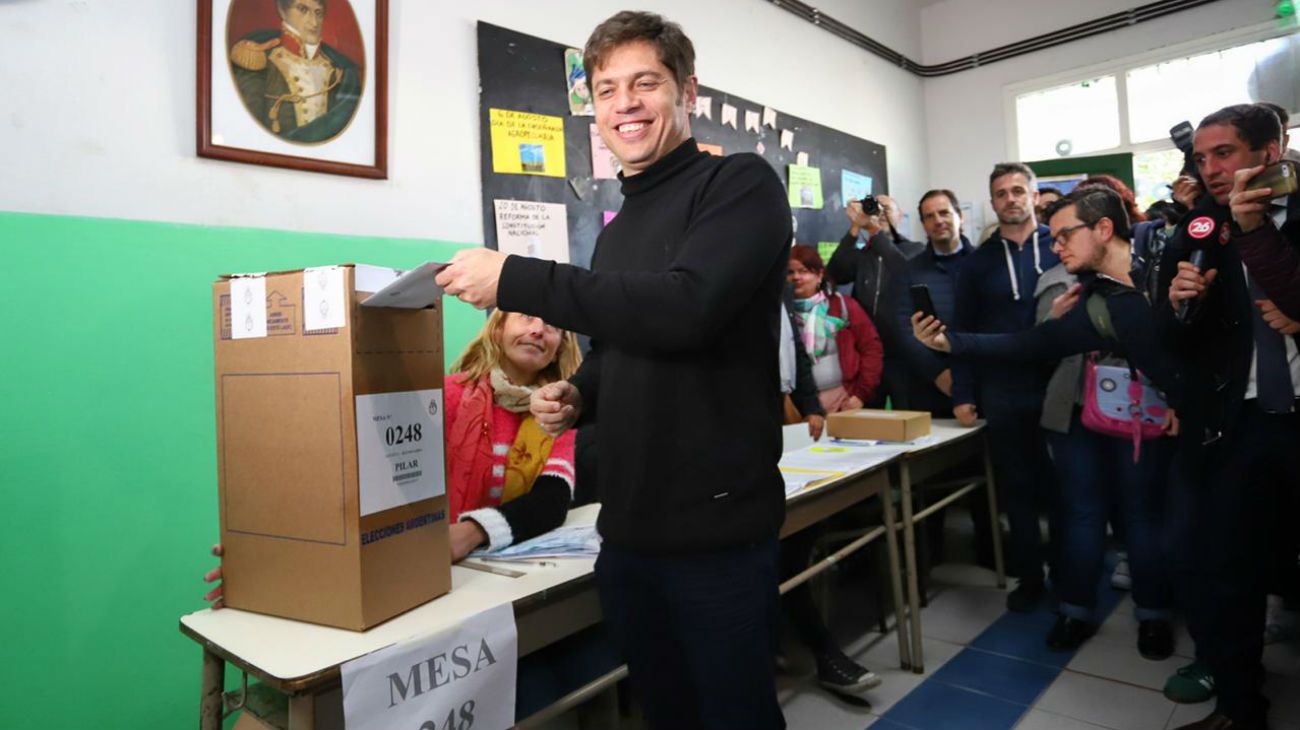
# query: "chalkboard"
[[519, 72]]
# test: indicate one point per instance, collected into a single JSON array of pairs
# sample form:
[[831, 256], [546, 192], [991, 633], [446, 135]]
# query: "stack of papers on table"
[[808, 467], [797, 480], [836, 456], [569, 541]]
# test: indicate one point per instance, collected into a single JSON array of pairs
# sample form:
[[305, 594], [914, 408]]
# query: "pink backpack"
[[1119, 401]]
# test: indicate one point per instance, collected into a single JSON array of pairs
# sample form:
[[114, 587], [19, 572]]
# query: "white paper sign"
[[247, 307], [787, 139], [751, 121], [399, 449], [462, 678], [704, 107], [323, 303], [729, 115], [769, 117], [535, 230]]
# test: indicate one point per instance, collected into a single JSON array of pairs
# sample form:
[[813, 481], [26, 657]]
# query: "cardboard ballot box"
[[876, 425], [331, 472]]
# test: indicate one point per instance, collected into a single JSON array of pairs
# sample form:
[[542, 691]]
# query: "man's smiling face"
[[641, 112]]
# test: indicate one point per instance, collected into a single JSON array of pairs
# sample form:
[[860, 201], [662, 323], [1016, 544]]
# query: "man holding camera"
[[872, 256], [1240, 427]]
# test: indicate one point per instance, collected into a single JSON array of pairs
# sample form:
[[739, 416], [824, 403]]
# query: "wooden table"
[[302, 660]]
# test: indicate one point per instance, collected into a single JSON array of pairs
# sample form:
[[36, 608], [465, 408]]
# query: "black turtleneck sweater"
[[682, 304]]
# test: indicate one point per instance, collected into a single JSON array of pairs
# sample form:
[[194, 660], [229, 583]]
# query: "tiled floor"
[[989, 670]]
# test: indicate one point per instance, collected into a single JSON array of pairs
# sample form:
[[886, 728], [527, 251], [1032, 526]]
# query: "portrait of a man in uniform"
[[297, 86]]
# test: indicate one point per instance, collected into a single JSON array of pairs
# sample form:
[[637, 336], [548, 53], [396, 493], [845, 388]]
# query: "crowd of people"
[[1155, 367], [1130, 399]]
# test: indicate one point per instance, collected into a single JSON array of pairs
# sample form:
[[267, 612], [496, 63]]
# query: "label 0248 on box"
[[399, 448]]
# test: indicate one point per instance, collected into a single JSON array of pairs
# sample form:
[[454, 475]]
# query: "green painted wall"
[[1120, 165], [107, 453]]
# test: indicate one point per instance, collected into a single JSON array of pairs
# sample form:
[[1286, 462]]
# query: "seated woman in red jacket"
[[841, 340], [506, 480]]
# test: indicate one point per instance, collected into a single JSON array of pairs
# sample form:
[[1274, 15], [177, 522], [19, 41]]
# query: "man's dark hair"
[[952, 197], [1093, 203], [1166, 211], [1049, 190], [283, 5], [1007, 168], [675, 50], [1282, 115], [1256, 124]]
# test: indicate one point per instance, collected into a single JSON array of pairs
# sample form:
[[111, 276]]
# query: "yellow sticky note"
[[527, 144]]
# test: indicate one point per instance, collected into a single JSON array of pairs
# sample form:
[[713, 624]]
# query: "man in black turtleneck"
[[682, 304]]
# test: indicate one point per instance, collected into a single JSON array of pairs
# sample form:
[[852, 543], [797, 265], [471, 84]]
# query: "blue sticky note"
[[854, 186]]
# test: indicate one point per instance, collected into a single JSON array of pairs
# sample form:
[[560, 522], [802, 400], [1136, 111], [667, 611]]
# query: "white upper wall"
[[895, 23], [965, 119], [953, 29], [105, 126]]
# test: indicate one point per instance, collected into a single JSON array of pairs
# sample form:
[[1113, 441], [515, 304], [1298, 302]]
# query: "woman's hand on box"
[[217, 594]]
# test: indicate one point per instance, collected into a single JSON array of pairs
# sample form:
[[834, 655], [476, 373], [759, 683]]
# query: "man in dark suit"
[[1239, 454]]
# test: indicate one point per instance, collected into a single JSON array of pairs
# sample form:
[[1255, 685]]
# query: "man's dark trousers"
[[698, 631], [1235, 485], [1027, 487]]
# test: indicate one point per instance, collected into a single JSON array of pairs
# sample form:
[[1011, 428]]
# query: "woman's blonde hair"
[[484, 353]]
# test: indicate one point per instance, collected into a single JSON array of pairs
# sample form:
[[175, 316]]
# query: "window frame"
[[1119, 68]]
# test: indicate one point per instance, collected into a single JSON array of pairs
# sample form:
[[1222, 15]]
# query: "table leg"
[[895, 579], [991, 487], [213, 691], [302, 712], [909, 553]]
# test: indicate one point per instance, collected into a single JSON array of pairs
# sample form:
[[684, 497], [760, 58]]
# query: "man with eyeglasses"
[[1091, 234]]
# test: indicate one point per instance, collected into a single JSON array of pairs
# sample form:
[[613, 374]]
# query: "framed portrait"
[[301, 84]]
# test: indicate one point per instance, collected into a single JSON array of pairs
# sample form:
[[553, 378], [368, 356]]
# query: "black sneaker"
[[839, 673], [1026, 597], [1155, 639], [1069, 634]]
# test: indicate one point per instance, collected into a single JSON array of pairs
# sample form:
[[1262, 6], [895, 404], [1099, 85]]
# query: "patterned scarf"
[[532, 447], [819, 327], [513, 398], [469, 445]]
